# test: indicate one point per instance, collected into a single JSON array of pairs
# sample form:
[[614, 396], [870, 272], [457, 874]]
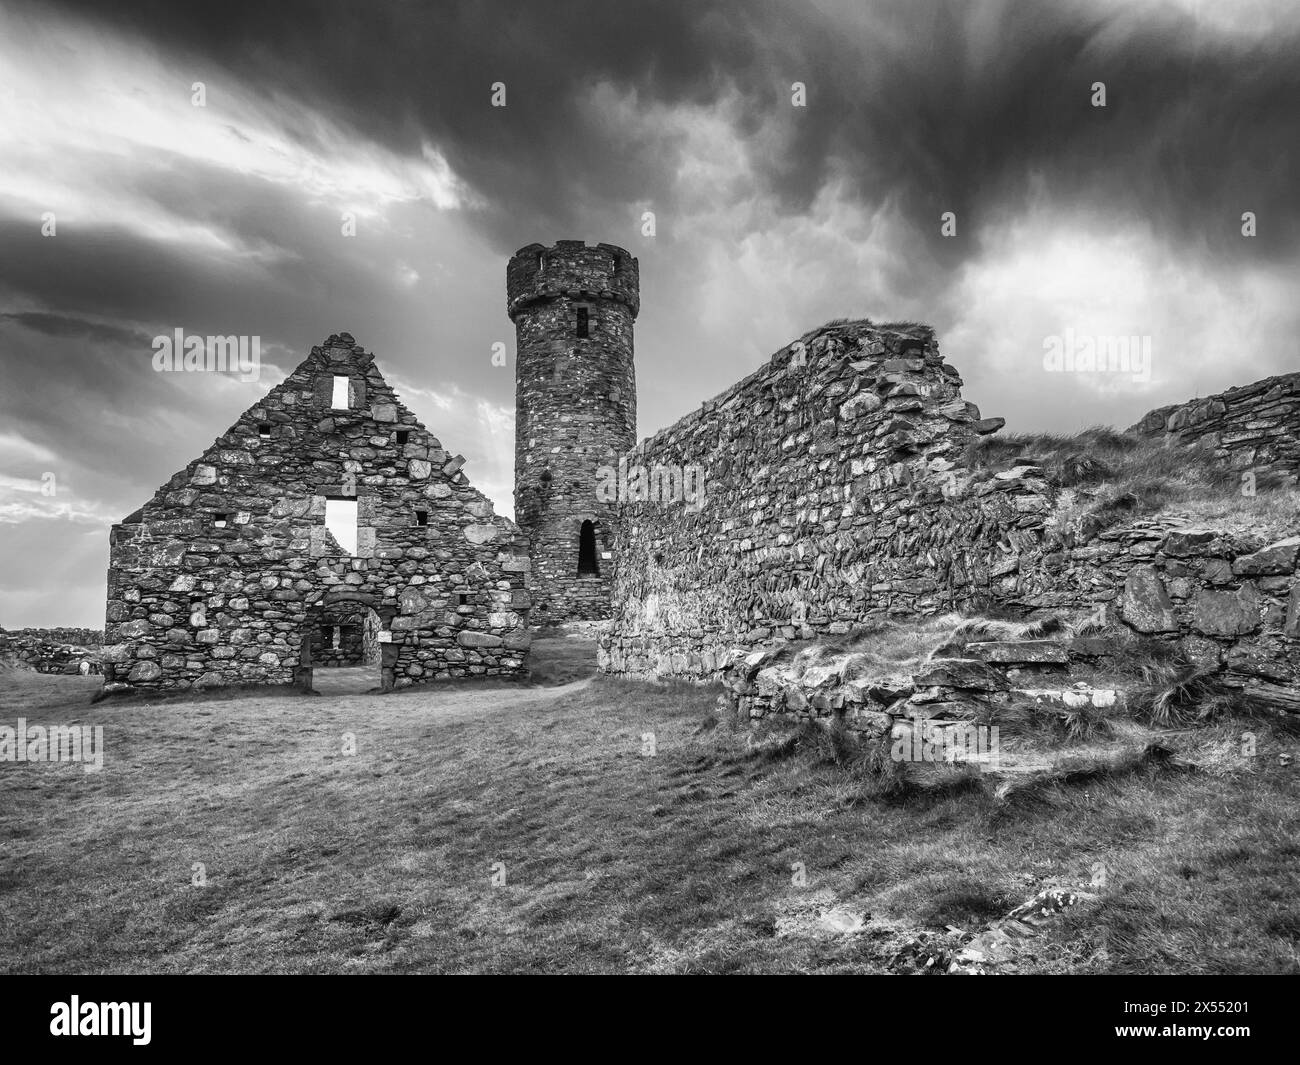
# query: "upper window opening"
[[403, 435], [587, 564], [221, 520], [421, 517], [264, 430], [583, 323], [341, 520], [339, 400]]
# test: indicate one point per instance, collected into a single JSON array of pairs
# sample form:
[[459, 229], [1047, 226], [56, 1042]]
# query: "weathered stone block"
[[1219, 613], [1145, 605]]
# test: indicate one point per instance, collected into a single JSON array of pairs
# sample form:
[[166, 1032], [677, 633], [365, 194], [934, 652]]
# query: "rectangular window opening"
[[582, 322], [403, 435], [421, 517], [221, 520], [463, 598], [341, 521], [339, 400], [264, 431]]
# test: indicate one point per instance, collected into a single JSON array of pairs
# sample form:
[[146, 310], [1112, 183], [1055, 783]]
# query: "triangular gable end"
[[240, 533]]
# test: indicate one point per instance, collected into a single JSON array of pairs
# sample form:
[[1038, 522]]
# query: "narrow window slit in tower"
[[587, 565], [582, 321]]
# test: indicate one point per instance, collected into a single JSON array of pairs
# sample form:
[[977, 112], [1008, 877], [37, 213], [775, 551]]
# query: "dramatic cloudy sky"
[[771, 218]]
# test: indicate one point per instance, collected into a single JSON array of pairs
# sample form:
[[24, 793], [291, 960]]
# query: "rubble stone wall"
[[57, 650], [228, 574], [1252, 428], [835, 491], [1232, 601]]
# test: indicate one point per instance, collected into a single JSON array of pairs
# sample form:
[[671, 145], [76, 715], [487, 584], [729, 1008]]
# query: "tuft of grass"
[[1175, 693]]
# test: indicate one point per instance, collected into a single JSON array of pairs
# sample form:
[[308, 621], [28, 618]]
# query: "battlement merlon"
[[572, 269]]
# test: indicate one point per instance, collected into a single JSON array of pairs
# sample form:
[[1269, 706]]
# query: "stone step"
[[1020, 652]]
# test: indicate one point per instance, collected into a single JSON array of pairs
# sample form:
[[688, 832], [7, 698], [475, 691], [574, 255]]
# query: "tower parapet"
[[571, 268]]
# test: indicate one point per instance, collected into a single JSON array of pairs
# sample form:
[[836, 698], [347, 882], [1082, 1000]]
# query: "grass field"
[[614, 859]]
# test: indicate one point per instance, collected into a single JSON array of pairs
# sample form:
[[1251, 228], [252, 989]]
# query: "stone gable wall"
[[227, 575]]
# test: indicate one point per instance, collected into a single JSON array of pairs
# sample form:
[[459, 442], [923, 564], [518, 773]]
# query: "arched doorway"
[[346, 646]]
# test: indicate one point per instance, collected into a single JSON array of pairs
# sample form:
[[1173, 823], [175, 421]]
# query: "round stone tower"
[[575, 412]]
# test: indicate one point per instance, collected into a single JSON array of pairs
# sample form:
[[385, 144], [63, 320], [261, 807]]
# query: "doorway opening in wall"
[[346, 650], [587, 564]]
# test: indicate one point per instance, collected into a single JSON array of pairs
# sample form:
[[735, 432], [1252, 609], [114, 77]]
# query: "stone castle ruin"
[[230, 575], [836, 489]]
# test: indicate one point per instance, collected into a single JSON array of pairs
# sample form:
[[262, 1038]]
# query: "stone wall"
[[351, 647], [228, 574], [58, 650], [836, 491], [575, 410], [1232, 601], [1252, 428], [61, 634]]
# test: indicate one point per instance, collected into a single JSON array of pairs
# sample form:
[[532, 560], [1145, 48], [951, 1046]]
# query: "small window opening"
[[264, 430], [221, 520], [421, 517], [334, 639], [587, 565], [339, 401], [463, 599], [403, 435], [582, 321]]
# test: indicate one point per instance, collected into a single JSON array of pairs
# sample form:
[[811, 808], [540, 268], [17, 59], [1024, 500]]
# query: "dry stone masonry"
[[838, 494], [835, 492], [575, 410], [59, 650], [1251, 428], [229, 574]]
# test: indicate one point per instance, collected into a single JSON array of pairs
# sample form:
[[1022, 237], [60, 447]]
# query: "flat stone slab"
[[1072, 698], [960, 673], [1020, 652]]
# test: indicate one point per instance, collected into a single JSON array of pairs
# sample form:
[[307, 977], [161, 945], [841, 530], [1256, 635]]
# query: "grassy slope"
[[1111, 477], [381, 862]]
